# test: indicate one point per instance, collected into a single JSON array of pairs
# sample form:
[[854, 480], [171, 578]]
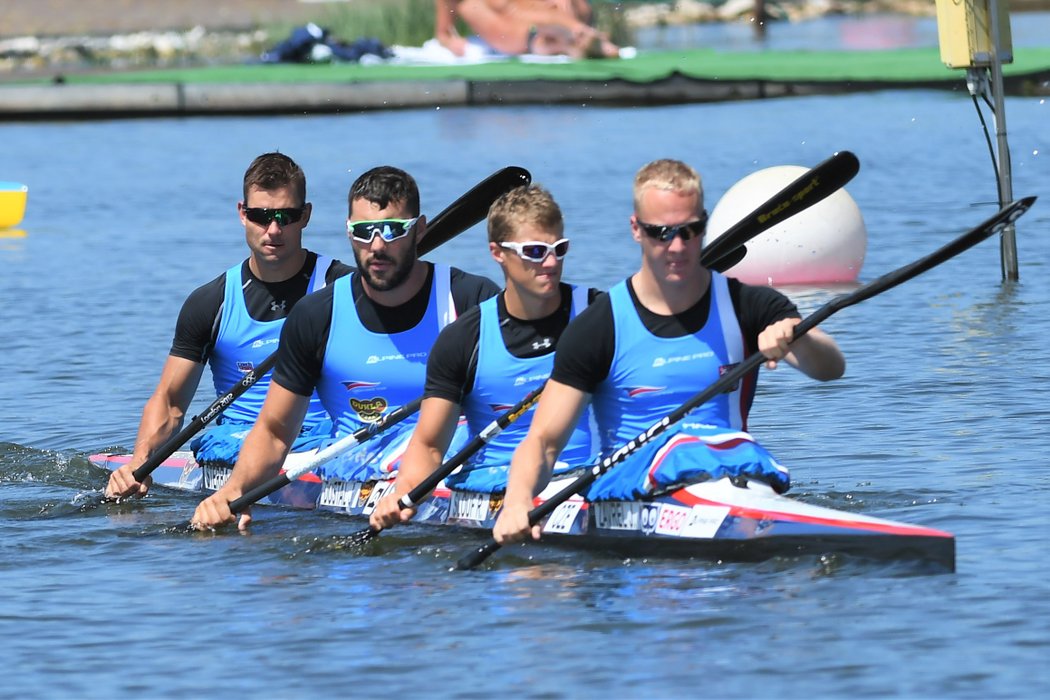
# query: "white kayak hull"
[[724, 520]]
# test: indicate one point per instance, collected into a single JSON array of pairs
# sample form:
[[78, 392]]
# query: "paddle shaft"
[[806, 190], [199, 421], [468, 210], [423, 489], [327, 454], [1005, 217]]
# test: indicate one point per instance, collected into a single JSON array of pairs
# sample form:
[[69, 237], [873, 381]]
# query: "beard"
[[392, 279]]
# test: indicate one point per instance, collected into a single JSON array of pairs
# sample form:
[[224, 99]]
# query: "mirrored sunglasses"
[[687, 230], [537, 252], [283, 216], [387, 229]]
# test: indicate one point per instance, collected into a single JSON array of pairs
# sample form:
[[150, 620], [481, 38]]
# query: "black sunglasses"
[[687, 230], [283, 217]]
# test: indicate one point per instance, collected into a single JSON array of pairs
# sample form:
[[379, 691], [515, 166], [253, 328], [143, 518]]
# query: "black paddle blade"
[[360, 537], [471, 560], [809, 188], [472, 207]]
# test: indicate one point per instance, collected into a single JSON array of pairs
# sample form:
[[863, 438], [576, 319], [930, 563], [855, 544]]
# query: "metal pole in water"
[[1008, 239]]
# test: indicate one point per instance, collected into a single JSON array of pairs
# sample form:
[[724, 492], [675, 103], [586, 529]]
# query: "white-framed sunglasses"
[[537, 252], [388, 229]]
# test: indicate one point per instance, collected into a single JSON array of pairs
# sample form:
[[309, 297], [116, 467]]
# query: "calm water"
[[940, 421]]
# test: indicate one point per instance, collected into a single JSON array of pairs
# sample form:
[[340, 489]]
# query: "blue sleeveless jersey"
[[243, 343], [501, 380], [650, 376], [366, 375]]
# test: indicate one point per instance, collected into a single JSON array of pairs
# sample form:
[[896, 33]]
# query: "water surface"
[[938, 422]]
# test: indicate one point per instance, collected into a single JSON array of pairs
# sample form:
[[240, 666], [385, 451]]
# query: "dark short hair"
[[386, 184], [528, 204], [271, 171]]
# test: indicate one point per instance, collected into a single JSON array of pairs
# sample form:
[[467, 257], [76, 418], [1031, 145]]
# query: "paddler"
[[653, 341], [233, 323], [362, 343], [493, 355]]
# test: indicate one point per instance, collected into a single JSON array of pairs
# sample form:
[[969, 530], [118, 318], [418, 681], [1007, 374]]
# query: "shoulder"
[[336, 270], [468, 280], [318, 304], [594, 321], [208, 294], [469, 290], [464, 331], [760, 298]]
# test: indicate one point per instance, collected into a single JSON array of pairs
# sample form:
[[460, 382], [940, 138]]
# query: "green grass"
[[411, 22], [403, 22]]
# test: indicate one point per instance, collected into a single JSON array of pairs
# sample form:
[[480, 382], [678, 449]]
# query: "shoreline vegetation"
[[210, 36]]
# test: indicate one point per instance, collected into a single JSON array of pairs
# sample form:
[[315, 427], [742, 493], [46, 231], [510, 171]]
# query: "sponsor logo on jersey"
[[369, 410], [411, 357], [351, 385], [500, 407], [633, 391], [264, 342], [663, 361], [726, 369], [531, 378], [245, 366]]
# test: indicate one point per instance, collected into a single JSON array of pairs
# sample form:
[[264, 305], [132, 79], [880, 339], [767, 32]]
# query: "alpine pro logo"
[[664, 361]]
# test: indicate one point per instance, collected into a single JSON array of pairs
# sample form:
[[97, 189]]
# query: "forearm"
[[430, 440], [420, 460], [818, 356], [261, 457], [269, 441], [160, 420], [530, 470]]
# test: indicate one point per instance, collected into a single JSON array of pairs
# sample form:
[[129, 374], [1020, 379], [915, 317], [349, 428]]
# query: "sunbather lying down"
[[514, 27]]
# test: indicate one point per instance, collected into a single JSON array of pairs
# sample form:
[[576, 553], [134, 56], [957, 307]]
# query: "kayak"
[[725, 519]]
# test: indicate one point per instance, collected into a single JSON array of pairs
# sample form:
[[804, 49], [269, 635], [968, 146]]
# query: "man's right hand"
[[512, 525], [214, 511], [388, 512], [122, 484]]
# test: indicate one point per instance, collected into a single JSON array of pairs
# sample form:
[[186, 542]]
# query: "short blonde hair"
[[528, 204], [667, 174]]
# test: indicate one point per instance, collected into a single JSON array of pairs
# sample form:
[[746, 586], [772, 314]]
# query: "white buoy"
[[823, 244]]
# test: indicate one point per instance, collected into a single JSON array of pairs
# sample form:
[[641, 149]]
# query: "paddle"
[[806, 190], [416, 495], [1004, 218], [469, 209], [337, 448]]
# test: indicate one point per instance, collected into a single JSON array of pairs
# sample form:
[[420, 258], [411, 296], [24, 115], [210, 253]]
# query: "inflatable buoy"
[[12, 203], [825, 243]]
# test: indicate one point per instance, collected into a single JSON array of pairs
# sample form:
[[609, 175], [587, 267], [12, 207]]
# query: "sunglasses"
[[283, 217], [388, 229], [536, 252], [665, 234]]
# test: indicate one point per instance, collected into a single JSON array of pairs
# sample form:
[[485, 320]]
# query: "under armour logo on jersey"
[[541, 344], [274, 306]]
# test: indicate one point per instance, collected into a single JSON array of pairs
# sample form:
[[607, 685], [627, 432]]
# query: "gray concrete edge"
[[86, 101]]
